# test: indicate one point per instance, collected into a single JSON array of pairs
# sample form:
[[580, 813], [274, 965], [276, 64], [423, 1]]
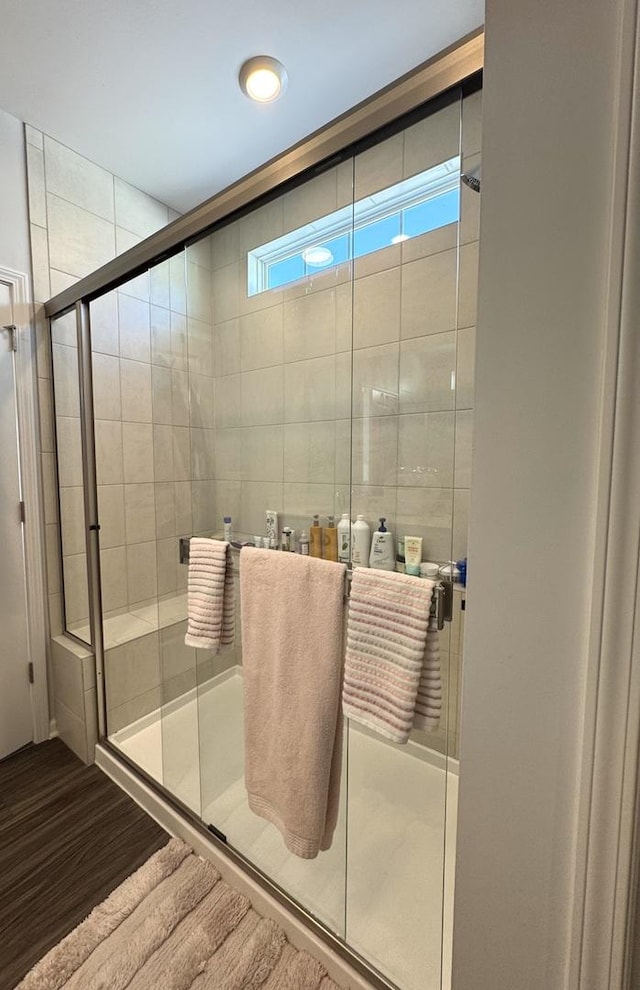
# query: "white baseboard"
[[264, 903]]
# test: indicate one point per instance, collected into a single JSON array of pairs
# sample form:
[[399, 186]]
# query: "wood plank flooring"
[[68, 837]]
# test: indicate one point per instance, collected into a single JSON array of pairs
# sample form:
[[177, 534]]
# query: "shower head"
[[471, 180]]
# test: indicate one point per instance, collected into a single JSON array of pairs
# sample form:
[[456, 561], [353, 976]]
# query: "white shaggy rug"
[[174, 925]]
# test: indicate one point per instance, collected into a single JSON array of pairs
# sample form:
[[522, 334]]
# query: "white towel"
[[429, 697], [210, 605], [292, 621], [386, 642]]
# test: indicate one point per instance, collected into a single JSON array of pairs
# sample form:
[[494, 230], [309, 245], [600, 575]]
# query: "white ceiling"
[[148, 88]]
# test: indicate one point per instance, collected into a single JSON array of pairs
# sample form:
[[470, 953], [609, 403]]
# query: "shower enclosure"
[[302, 343]]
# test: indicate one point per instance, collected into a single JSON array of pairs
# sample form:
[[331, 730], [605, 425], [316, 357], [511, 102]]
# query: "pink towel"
[[386, 639], [429, 697], [210, 606], [292, 619]]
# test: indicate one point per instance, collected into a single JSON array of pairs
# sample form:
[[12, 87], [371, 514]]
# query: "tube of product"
[[412, 554]]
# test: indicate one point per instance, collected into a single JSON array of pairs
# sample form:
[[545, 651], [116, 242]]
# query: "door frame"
[[32, 494]]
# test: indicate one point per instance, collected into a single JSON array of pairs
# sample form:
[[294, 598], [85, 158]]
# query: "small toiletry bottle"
[[400, 556], [450, 571], [462, 567], [412, 554], [381, 555], [303, 544], [265, 542], [315, 540], [257, 541], [344, 538], [273, 544], [330, 540], [429, 570], [227, 529], [286, 539], [360, 542]]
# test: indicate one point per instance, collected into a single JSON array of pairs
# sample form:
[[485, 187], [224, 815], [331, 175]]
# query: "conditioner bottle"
[[360, 542], [344, 538], [330, 541]]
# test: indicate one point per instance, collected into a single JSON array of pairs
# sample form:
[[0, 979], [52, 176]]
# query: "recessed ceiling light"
[[317, 257], [263, 78]]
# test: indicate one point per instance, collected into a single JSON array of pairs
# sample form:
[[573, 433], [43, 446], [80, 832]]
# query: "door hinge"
[[31, 678], [11, 330], [22, 512]]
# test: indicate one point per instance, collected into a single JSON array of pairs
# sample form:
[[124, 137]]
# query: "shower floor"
[[380, 884]]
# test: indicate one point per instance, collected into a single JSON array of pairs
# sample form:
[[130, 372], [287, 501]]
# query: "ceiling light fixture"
[[263, 78]]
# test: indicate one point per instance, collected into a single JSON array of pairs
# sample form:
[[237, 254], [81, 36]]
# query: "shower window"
[[421, 203]]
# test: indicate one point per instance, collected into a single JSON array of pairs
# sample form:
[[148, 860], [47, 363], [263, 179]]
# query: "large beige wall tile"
[[109, 467], [376, 309], [433, 140], [163, 453], [226, 343], [104, 324], [226, 292], [465, 371], [310, 390], [165, 510], [111, 515], [180, 398], [178, 284], [373, 502], [76, 596], [179, 342], [460, 523], [160, 329], [429, 294], [36, 186], [309, 452], [167, 559], [427, 373], [137, 452], [228, 454], [181, 453], [261, 339], [225, 245], [374, 445], [464, 442], [40, 262], [201, 401], [142, 578], [426, 450], [140, 513], [69, 451], [49, 487], [79, 241], [261, 225], [472, 123], [161, 395], [262, 453], [199, 284], [135, 328], [137, 211], [113, 566], [202, 454], [65, 370], [183, 496], [200, 347], [160, 285], [375, 380], [311, 201], [468, 289], [379, 167], [106, 387], [78, 180], [302, 500], [255, 498], [72, 521], [310, 326], [262, 395], [203, 506]]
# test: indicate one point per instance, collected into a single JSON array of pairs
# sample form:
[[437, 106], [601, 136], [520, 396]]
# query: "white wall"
[[547, 137], [14, 219]]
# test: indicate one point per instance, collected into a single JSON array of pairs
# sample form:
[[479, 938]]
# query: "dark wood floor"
[[68, 837]]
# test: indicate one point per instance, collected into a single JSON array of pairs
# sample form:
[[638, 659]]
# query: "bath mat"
[[177, 925]]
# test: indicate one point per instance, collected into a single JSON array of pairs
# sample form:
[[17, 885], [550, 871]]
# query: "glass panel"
[[66, 391], [403, 456]]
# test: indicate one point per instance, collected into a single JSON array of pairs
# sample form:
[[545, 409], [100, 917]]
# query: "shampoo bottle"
[[330, 541], [344, 538], [382, 553], [303, 543], [360, 542], [315, 538]]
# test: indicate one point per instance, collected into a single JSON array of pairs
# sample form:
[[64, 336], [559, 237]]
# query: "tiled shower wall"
[[81, 217]]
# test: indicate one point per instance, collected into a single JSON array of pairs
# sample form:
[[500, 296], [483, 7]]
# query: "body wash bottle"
[[360, 542], [330, 540], [315, 538], [382, 555], [344, 538]]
